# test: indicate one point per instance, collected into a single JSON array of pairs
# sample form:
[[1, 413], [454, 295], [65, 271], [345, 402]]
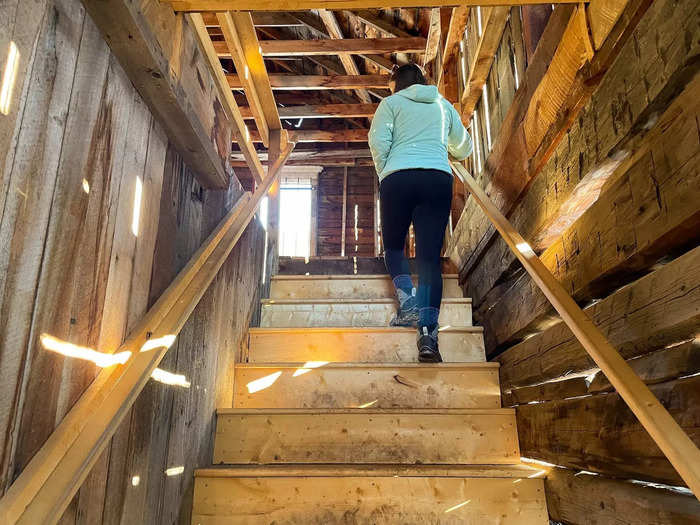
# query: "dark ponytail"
[[407, 75]]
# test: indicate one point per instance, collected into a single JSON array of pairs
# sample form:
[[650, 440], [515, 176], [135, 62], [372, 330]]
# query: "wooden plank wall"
[[76, 141], [360, 193], [615, 215]]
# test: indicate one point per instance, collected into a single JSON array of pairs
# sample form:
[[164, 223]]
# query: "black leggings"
[[423, 197]]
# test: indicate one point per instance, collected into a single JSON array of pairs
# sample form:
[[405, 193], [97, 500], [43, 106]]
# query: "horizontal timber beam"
[[310, 82], [261, 19], [322, 135], [353, 46], [317, 154], [321, 111], [302, 5]]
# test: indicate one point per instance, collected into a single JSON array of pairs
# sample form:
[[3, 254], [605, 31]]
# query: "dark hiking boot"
[[428, 351], [407, 313]]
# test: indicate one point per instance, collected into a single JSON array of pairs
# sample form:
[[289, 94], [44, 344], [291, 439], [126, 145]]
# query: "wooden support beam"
[[579, 497], [321, 135], [302, 5], [235, 47], [375, 21], [433, 41], [455, 33], [664, 430], [317, 27], [494, 22], [335, 32], [317, 154], [141, 37], [46, 486], [319, 82], [320, 111], [241, 133], [354, 46], [344, 219], [260, 19]]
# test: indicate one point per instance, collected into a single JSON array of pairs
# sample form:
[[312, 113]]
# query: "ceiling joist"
[[321, 111], [353, 46], [319, 82], [321, 135]]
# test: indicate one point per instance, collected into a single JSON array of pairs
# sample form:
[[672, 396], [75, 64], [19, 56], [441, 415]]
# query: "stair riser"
[[355, 314], [351, 288], [359, 346], [486, 438], [388, 500], [396, 387]]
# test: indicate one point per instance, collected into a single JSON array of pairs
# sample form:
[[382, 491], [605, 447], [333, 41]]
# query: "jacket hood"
[[420, 93]]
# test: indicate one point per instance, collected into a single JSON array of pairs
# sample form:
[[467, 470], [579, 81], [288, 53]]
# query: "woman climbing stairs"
[[334, 421]]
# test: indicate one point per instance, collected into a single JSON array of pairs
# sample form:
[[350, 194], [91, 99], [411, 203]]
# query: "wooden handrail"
[[53, 476], [663, 429]]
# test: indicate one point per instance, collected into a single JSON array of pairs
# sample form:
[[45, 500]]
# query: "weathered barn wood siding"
[[360, 193], [77, 139], [171, 426]]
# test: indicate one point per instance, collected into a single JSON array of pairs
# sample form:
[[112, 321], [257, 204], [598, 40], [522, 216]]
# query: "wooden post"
[[377, 245], [663, 429], [344, 211], [273, 205], [313, 248]]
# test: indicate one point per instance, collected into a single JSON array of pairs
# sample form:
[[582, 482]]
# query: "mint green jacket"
[[417, 128]]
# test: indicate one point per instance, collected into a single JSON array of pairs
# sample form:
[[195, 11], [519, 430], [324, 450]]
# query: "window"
[[295, 220]]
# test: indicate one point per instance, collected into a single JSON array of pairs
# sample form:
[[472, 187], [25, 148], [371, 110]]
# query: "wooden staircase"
[[334, 421]]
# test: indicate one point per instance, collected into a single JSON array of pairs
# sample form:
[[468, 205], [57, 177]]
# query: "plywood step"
[[351, 312], [369, 494], [346, 287], [427, 436], [355, 385], [359, 345]]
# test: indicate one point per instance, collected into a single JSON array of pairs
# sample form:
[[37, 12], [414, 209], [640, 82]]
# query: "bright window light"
[[295, 221], [8, 78], [262, 211], [487, 116], [136, 216]]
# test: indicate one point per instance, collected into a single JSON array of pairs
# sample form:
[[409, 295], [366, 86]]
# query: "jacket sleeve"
[[381, 135], [459, 143]]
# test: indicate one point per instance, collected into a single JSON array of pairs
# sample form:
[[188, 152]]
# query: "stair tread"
[[368, 411], [339, 277], [487, 365], [388, 300], [516, 470], [358, 329]]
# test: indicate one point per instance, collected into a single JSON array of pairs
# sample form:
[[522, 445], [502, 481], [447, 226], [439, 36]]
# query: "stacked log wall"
[[614, 214]]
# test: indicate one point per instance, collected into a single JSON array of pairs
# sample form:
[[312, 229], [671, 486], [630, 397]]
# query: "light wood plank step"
[[347, 287], [375, 470], [427, 436], [359, 345], [351, 312], [460, 495], [362, 385]]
